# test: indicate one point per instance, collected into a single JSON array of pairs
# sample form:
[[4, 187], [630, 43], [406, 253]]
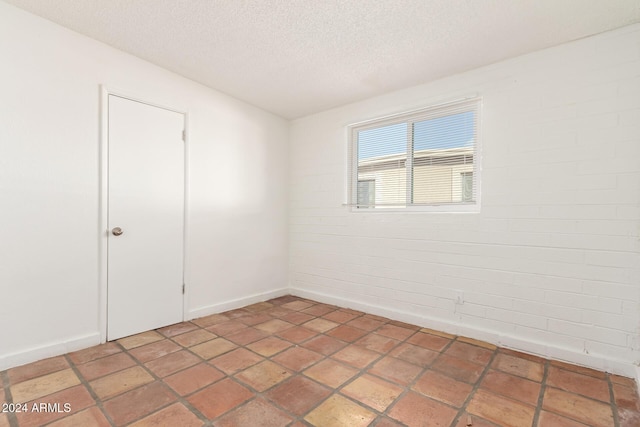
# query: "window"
[[427, 158]]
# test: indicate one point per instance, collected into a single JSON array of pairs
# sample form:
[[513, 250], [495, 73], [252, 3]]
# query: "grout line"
[[612, 398], [11, 416], [474, 389], [87, 386], [543, 389]]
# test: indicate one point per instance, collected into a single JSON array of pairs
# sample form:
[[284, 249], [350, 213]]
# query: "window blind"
[[423, 158]]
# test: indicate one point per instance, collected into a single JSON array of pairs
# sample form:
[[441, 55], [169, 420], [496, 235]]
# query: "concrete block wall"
[[550, 265]]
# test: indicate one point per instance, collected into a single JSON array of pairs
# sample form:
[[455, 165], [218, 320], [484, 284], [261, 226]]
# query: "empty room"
[[320, 213]]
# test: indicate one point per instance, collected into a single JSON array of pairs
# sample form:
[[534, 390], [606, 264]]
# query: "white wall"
[[551, 263], [49, 187]]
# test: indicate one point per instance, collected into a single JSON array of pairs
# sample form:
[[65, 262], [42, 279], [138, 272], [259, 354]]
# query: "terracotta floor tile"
[[259, 306], [283, 299], [140, 339], [297, 358], [246, 336], [320, 325], [319, 310], [365, 323], [577, 383], [210, 320], [404, 325], [286, 362], [459, 369], [340, 316], [418, 411], [346, 333], [154, 350], [174, 362], [340, 411], [356, 356], [174, 415], [511, 386], [501, 410], [213, 348], [331, 373], [378, 343], [177, 329], [89, 417], [269, 346], [396, 370], [297, 317], [106, 365], [219, 398], [95, 352], [477, 343], [78, 398], [298, 395], [226, 328], [521, 355], [324, 345], [120, 382], [443, 388], [254, 319], [617, 379], [297, 334], [578, 408], [278, 312], [414, 354], [550, 419], [36, 369], [237, 313], [626, 397], [138, 403], [395, 332], [194, 337], [437, 333], [274, 325], [255, 413], [428, 341], [235, 361], [373, 392], [580, 369], [41, 386], [368, 315], [469, 352], [519, 366], [467, 419], [628, 418], [194, 378], [263, 376], [297, 305]]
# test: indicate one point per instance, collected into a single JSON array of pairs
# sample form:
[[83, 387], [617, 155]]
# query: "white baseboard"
[[48, 350], [545, 350], [637, 378], [235, 303]]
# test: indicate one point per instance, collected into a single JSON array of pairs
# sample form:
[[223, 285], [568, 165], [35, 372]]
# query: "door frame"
[[103, 202]]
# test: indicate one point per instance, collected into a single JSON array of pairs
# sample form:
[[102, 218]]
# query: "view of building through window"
[[426, 158]]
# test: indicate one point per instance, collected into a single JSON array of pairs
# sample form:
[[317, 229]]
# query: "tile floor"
[[295, 362]]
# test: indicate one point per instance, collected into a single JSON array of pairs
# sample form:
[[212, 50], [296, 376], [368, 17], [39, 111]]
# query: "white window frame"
[[412, 115]]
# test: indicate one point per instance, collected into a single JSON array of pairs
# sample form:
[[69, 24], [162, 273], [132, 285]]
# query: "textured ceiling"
[[298, 57]]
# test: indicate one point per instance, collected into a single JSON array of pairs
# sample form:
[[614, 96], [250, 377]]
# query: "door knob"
[[117, 231]]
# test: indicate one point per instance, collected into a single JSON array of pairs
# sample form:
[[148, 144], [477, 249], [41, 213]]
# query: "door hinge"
[[183, 286], [184, 135]]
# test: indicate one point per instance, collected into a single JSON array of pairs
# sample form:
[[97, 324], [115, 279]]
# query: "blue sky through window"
[[452, 131]]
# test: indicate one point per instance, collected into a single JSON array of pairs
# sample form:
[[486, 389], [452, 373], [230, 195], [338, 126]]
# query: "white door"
[[145, 217]]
